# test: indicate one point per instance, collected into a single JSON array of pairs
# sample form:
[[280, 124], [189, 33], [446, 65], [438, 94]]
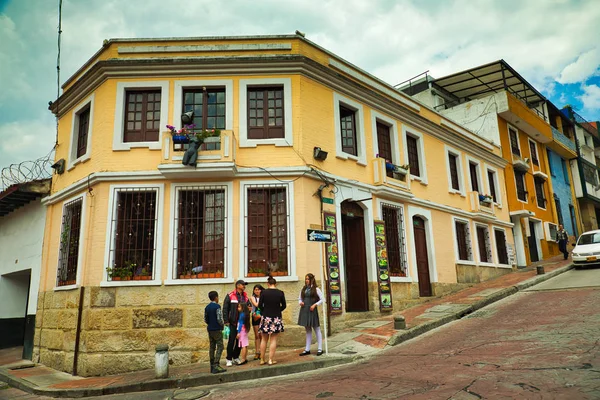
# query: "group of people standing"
[[262, 311]]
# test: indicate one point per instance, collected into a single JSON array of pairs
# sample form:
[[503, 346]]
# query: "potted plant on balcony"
[[181, 136], [485, 199], [402, 169]]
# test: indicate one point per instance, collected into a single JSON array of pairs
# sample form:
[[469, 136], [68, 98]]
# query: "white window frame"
[[119, 130], [73, 160], [288, 139], [459, 170], [494, 229], [495, 183], [110, 231], [421, 151], [180, 86], [338, 101], [489, 249], [426, 214], [244, 186], [80, 251], [469, 238], [524, 185], [548, 234], [393, 125], [508, 127], [228, 270], [379, 204], [471, 160]]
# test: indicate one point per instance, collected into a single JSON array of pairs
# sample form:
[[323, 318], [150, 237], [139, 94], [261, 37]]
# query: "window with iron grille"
[[142, 115], [514, 142], [348, 130], [393, 219], [208, 105], [492, 184], [453, 163], [133, 227], [483, 241], [521, 187], [267, 221], [539, 192], [68, 257], [533, 152], [474, 174], [200, 220], [384, 145], [265, 112], [501, 246], [589, 174], [413, 155], [463, 240], [82, 130]]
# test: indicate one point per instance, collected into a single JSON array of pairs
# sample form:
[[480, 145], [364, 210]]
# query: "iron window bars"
[[69, 243], [393, 220]]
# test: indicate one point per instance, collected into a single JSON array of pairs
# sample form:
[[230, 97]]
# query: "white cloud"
[[591, 97], [586, 65], [26, 140]]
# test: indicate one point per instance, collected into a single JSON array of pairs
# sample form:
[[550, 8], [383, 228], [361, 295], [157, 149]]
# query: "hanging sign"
[[383, 273], [333, 266]]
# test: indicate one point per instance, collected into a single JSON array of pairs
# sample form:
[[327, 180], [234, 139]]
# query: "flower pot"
[[255, 274], [279, 273], [115, 278], [194, 276], [219, 274], [181, 276], [188, 276], [146, 277], [126, 278], [212, 275], [137, 278], [180, 139]]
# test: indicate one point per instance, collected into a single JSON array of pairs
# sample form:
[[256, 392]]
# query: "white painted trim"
[[203, 281], [547, 234], [421, 150], [82, 241], [288, 139], [208, 83], [496, 183], [491, 251], [478, 171], [393, 125], [228, 233], [65, 288], [379, 205], [460, 170], [494, 229], [457, 258], [118, 143], [243, 227], [426, 214], [204, 48], [158, 242], [73, 160], [279, 279], [361, 157]]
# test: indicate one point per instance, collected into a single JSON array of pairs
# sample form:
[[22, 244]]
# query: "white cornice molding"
[[203, 48]]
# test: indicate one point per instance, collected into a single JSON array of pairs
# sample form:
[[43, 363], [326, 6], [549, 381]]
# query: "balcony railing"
[[479, 205], [559, 137], [222, 149], [380, 176]]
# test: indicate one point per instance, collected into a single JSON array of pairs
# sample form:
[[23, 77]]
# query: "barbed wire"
[[27, 171]]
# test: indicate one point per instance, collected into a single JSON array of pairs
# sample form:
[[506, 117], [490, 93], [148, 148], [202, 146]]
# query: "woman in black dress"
[[310, 298], [271, 303]]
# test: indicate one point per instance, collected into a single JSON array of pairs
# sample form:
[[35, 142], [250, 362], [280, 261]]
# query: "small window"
[[558, 209], [82, 131], [393, 219], [384, 145], [348, 130], [453, 165], [265, 112], [565, 171], [208, 106], [533, 152], [474, 174], [521, 186], [463, 240], [267, 222], [412, 148], [68, 258], [492, 185], [142, 115], [483, 242], [501, 246], [514, 142], [539, 192]]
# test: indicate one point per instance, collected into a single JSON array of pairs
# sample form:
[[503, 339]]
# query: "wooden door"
[[422, 257], [533, 250], [355, 263]]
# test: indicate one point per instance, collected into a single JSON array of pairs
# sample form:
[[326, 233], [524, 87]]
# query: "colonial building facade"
[[307, 140]]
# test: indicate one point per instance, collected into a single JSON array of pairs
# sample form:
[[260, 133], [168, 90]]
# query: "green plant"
[[203, 134]]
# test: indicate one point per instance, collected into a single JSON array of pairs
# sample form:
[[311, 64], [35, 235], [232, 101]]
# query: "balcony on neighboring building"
[[562, 144], [483, 206]]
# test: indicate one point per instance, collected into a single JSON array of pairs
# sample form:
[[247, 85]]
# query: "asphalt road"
[[543, 343]]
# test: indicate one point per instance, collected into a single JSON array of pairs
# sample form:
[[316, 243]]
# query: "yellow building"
[[135, 239], [498, 104]]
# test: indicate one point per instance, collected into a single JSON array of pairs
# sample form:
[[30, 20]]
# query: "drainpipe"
[[78, 330]]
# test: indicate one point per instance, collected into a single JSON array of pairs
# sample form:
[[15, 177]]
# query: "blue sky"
[[552, 43]]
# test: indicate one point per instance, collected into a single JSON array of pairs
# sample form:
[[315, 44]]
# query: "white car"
[[587, 249]]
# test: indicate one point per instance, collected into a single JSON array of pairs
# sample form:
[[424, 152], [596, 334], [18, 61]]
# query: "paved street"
[[538, 344]]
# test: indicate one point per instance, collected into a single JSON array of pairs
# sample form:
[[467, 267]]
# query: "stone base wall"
[[478, 273]]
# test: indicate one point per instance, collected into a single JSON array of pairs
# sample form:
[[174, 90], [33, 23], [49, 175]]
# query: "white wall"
[[21, 238], [13, 296]]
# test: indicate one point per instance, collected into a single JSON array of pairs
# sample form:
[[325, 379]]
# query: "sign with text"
[[383, 272], [315, 235], [333, 267]]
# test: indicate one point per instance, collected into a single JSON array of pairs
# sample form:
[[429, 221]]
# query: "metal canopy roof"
[[19, 194], [486, 79]]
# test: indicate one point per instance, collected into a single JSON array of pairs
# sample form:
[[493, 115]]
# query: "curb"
[[182, 383], [411, 333]]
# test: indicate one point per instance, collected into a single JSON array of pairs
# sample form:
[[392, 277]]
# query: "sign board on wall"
[[383, 272], [333, 267]]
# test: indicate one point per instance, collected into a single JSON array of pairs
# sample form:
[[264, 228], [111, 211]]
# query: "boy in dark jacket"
[[230, 312], [214, 321]]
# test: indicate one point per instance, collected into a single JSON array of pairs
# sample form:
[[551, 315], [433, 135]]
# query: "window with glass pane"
[[348, 130], [69, 243], [133, 246], [384, 145], [265, 112], [393, 219], [514, 142], [209, 111], [463, 240], [200, 222], [267, 230], [539, 192], [82, 131], [492, 184], [533, 152], [483, 241], [142, 115], [501, 246], [520, 182], [413, 155], [453, 163], [474, 173]]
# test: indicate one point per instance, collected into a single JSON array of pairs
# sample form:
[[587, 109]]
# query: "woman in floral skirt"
[[271, 303]]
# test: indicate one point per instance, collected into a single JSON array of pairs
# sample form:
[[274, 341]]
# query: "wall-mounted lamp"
[[319, 154], [59, 166], [187, 118]]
